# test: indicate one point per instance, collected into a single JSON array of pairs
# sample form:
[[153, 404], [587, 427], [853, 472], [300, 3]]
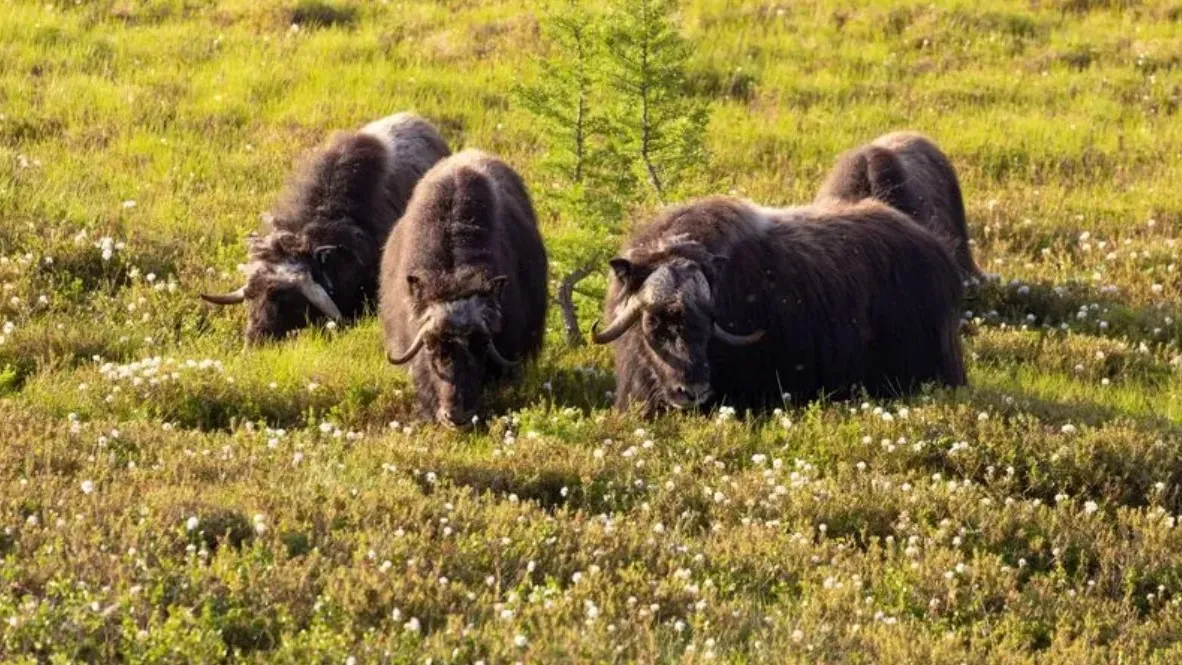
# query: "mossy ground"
[[168, 496]]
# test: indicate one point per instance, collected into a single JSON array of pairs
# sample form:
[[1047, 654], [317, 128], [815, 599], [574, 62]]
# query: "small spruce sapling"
[[612, 108], [590, 182], [664, 126]]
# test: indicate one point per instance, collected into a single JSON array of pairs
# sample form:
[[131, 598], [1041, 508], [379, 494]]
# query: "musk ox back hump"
[[454, 221], [341, 181], [414, 147], [910, 173], [714, 222], [472, 226]]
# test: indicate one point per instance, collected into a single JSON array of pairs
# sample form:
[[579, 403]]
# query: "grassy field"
[[167, 496]]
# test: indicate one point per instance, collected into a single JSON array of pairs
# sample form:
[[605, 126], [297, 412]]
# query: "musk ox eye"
[[450, 349], [661, 329], [441, 356]]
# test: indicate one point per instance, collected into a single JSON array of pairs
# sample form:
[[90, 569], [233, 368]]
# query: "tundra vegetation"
[[166, 495]]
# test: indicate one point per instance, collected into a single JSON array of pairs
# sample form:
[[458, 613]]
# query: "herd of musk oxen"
[[718, 301]]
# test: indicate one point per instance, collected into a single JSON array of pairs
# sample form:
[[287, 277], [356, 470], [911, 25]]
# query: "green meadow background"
[[167, 495]]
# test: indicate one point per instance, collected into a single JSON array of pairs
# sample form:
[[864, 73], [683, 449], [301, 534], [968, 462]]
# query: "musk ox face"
[[672, 299], [288, 286], [454, 343]]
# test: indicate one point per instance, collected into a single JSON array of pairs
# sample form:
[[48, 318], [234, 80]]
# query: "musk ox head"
[[290, 282], [669, 293], [457, 320]]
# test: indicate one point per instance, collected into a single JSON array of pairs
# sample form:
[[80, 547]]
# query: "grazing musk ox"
[[908, 172], [463, 286], [723, 299], [321, 255]]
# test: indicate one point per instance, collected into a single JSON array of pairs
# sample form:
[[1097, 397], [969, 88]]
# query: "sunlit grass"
[[168, 494]]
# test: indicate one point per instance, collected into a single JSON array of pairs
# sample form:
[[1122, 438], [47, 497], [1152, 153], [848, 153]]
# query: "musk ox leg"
[[952, 355], [902, 361], [963, 253]]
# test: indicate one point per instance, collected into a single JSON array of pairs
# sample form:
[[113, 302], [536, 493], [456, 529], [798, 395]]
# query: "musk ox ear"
[[328, 256], [622, 267], [414, 284], [324, 253], [496, 285], [718, 263]]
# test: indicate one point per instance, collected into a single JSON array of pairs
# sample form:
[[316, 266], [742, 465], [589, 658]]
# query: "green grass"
[[1031, 517]]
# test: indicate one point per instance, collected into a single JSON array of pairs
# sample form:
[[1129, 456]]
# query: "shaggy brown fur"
[[849, 296], [908, 172], [464, 283], [329, 226]]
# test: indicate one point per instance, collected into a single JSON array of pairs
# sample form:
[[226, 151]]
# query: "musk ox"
[[463, 286], [908, 172], [722, 301], [320, 257]]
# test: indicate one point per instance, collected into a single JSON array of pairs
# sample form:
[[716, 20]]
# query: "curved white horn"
[[624, 320], [493, 352], [737, 340], [498, 358], [657, 289], [319, 298], [232, 298], [410, 353]]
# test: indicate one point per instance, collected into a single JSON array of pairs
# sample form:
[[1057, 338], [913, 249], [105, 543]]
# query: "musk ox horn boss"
[[463, 286], [321, 254]]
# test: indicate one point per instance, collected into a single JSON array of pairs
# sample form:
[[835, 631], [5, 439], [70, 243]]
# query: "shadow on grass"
[[321, 14], [43, 346], [1078, 412], [201, 397], [1108, 454], [557, 386], [357, 405], [549, 488], [78, 271], [1057, 304]]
